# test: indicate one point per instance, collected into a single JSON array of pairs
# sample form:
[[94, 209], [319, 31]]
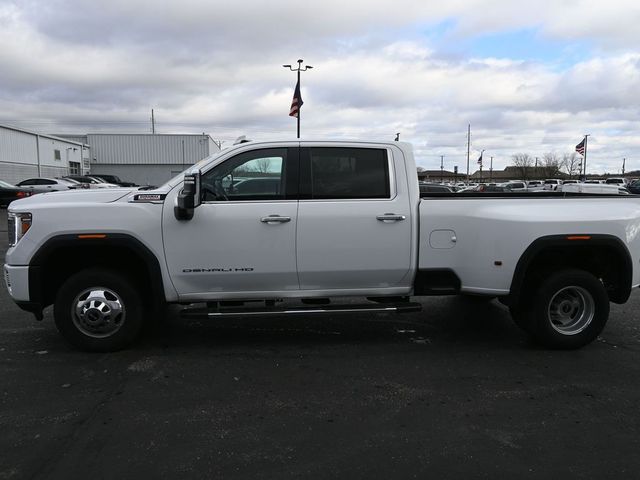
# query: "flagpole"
[[299, 109], [468, 150], [298, 70], [584, 161]]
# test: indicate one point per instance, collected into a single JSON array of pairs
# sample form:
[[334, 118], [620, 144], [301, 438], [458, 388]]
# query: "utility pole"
[[441, 168], [491, 171], [153, 123], [468, 150], [298, 88], [624, 160]]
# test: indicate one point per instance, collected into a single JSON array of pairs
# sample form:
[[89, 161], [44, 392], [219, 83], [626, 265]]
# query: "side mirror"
[[189, 198]]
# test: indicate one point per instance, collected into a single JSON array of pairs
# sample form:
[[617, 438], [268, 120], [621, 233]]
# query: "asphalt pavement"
[[456, 391]]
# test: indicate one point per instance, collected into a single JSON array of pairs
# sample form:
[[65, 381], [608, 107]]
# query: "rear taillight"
[[23, 194]]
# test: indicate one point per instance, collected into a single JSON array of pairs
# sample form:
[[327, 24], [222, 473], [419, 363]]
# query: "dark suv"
[[113, 179]]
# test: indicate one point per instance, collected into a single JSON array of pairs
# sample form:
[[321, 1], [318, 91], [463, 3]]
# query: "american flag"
[[580, 148], [297, 102], [480, 159]]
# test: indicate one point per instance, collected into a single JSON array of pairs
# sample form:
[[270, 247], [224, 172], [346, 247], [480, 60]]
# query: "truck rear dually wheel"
[[567, 310], [98, 310]]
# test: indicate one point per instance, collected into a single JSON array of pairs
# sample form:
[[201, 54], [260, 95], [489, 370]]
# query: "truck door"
[[354, 222], [242, 237]]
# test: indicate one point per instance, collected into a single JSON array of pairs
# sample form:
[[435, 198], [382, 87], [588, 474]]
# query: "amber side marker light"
[[579, 237], [92, 235]]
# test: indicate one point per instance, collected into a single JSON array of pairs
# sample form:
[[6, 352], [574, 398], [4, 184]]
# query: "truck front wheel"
[[567, 310], [98, 310]]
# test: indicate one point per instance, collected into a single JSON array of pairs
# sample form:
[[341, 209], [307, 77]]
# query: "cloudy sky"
[[528, 76]]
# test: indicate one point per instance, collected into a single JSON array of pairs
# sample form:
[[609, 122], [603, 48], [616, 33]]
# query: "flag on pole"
[[580, 148], [480, 158], [297, 102]]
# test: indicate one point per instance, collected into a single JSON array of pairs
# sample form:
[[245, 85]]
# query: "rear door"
[[354, 222]]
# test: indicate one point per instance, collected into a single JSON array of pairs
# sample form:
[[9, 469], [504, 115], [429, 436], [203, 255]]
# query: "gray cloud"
[[215, 66]]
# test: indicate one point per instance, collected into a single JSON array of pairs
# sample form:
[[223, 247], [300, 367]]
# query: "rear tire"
[[567, 310], [99, 310]]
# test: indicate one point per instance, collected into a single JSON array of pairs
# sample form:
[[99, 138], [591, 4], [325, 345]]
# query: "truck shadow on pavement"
[[458, 320]]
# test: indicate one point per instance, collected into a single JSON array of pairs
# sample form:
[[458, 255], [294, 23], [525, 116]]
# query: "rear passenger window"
[[344, 173]]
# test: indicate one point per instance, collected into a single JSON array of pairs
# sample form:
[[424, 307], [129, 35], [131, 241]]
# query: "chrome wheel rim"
[[571, 310], [98, 312]]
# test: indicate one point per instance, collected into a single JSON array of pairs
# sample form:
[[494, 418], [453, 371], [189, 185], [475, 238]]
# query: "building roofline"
[[147, 134], [43, 135]]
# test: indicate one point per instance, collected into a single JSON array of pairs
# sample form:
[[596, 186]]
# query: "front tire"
[[99, 310], [568, 310]]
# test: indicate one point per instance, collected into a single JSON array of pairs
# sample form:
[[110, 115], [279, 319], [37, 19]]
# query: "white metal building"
[[146, 159], [25, 154]]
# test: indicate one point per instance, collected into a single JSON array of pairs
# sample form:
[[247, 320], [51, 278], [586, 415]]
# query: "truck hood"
[[105, 195]]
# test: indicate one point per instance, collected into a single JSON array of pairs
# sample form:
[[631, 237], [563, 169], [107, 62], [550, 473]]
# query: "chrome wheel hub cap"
[[571, 310], [98, 312]]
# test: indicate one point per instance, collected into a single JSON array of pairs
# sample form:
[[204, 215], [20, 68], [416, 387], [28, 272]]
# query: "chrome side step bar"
[[404, 307]]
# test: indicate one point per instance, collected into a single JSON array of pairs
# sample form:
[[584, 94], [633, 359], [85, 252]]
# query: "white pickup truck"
[[264, 225]]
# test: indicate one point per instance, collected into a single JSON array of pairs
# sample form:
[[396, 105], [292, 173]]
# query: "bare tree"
[[263, 165], [523, 163], [420, 169], [551, 165], [571, 163]]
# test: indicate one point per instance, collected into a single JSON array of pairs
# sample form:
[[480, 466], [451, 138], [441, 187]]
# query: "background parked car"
[[491, 188], [90, 181], [552, 184], [514, 186], [114, 179], [426, 188], [9, 193], [616, 181], [634, 187], [42, 185], [593, 188]]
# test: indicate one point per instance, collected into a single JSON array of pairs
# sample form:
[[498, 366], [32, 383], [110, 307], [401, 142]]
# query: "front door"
[[242, 237]]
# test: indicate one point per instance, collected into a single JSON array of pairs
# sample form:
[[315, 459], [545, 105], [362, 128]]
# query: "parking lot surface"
[[456, 391]]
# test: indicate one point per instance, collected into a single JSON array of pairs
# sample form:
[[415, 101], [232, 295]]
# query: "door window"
[[255, 175], [347, 173]]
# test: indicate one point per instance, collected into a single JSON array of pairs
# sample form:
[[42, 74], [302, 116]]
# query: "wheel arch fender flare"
[[110, 240], [594, 241]]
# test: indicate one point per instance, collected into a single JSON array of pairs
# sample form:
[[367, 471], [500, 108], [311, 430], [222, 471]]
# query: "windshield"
[[178, 178]]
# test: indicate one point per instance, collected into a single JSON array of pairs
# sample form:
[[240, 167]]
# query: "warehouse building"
[[146, 159], [25, 154]]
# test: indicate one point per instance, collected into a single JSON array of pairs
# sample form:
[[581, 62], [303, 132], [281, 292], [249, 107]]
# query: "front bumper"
[[16, 278]]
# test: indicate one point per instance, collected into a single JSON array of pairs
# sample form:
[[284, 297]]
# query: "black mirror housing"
[[189, 198]]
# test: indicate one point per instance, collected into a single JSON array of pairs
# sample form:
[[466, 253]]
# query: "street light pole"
[[298, 70], [441, 168]]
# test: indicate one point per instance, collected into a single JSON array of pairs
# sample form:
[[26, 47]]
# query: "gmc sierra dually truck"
[[264, 225]]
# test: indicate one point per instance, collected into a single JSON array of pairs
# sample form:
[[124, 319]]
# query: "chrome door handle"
[[390, 217], [275, 219]]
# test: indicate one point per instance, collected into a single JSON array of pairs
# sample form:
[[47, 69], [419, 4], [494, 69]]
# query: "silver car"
[[42, 185]]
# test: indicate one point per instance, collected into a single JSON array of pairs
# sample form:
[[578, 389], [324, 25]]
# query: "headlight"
[[19, 224]]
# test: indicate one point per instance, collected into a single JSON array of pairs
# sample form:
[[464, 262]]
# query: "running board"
[[404, 307]]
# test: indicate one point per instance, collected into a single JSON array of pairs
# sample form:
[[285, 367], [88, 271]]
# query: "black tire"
[[567, 310], [99, 327]]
